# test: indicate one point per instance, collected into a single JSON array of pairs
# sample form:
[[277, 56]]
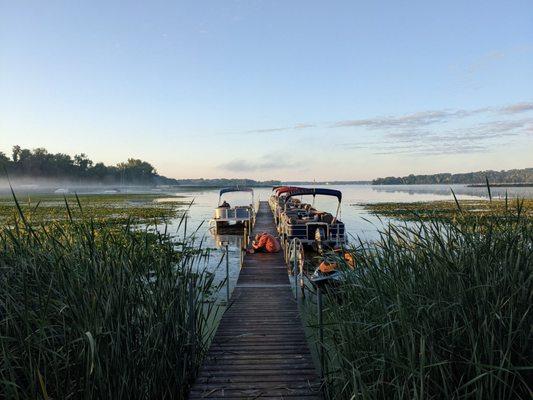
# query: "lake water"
[[359, 223]]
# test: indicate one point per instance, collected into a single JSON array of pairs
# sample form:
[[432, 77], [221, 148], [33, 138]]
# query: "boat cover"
[[314, 192], [287, 189], [235, 189]]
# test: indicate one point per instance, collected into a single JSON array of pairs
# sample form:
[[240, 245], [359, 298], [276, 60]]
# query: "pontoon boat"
[[312, 227], [227, 217], [277, 199]]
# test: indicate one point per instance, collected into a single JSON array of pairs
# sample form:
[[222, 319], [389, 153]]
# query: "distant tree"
[[63, 165], [82, 162], [5, 162], [37, 161], [135, 170], [99, 171], [16, 153], [512, 176], [40, 163]]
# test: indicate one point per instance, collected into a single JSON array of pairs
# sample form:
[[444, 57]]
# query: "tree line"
[[39, 163], [510, 176]]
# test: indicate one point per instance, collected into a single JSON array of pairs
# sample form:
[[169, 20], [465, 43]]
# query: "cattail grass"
[[100, 311], [436, 310]]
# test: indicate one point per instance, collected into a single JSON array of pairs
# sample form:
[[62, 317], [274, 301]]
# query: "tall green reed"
[[436, 310], [100, 311]]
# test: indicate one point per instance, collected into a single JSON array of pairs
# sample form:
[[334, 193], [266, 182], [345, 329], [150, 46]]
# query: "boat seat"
[[327, 218]]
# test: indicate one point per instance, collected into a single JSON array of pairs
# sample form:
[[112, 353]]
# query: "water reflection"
[[475, 192], [233, 241], [359, 223]]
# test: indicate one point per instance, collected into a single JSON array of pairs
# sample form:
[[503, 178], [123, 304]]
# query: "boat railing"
[[294, 254], [246, 237], [241, 213]]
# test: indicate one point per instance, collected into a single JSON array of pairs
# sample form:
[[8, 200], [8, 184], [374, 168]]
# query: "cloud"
[[517, 108], [480, 131], [265, 162], [416, 119], [267, 130], [477, 138], [412, 121], [354, 146], [303, 126], [434, 150], [298, 126], [425, 118]]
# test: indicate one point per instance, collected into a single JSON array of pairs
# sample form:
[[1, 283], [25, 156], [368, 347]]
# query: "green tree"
[[135, 170], [4, 162], [16, 153], [82, 162]]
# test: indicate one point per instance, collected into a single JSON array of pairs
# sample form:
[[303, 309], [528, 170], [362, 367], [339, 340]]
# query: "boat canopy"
[[235, 189], [276, 189], [314, 192], [287, 189]]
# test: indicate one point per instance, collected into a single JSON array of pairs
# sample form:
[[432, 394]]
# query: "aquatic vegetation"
[[448, 210], [118, 208], [435, 310], [100, 312]]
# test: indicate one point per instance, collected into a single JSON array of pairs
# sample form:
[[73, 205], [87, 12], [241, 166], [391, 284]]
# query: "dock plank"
[[259, 349]]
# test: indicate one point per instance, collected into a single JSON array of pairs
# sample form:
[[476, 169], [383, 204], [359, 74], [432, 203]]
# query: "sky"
[[325, 90]]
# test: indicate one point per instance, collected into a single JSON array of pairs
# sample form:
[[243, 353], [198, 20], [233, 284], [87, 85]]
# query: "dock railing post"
[[320, 331], [302, 282], [227, 275], [294, 268], [244, 244]]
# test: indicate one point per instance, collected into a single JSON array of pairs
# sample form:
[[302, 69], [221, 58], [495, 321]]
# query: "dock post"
[[244, 244], [227, 275], [302, 282], [294, 268]]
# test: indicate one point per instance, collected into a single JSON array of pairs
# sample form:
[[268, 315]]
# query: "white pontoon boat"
[[229, 217]]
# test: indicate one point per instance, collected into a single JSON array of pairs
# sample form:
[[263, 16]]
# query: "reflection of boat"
[[310, 226], [228, 218], [234, 241]]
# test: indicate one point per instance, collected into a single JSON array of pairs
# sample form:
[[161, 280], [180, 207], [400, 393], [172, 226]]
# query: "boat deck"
[[259, 350]]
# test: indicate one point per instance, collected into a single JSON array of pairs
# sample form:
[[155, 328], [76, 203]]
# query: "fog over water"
[[49, 186]]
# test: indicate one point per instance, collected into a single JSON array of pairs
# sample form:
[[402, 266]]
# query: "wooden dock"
[[259, 350]]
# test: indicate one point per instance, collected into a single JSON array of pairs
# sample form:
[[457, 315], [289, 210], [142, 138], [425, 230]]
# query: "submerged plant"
[[100, 312]]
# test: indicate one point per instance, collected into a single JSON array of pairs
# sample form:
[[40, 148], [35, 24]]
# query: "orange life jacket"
[[326, 267]]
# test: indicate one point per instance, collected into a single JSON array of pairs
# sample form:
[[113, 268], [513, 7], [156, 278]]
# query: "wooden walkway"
[[259, 350]]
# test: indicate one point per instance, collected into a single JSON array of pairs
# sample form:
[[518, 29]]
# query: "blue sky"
[[272, 89]]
